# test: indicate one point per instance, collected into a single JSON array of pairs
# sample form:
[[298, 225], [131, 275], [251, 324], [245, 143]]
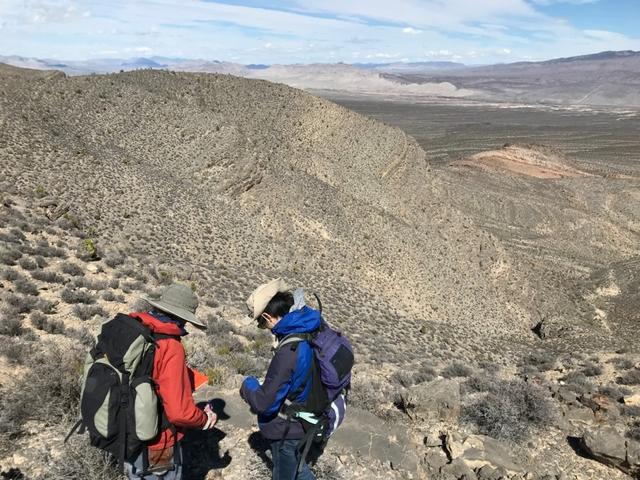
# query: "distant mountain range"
[[605, 78]]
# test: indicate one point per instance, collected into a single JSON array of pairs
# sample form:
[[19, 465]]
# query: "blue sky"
[[318, 31]]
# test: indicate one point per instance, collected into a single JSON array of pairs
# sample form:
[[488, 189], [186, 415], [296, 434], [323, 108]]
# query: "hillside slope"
[[245, 180]]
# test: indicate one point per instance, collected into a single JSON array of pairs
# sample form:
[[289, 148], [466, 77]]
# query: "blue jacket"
[[287, 373]]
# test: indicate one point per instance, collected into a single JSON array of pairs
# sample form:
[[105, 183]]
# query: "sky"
[[318, 31]]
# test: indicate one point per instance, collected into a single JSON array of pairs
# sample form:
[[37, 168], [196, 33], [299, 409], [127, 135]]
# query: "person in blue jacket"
[[284, 313]]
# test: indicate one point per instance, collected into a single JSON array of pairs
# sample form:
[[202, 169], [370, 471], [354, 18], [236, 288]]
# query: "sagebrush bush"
[[578, 382], [510, 410], [27, 263], [113, 260], [83, 282], [129, 287], [592, 370], [374, 396], [456, 369], [631, 410], [622, 363], [48, 276], [541, 360], [82, 335], [108, 296], [25, 286], [72, 269], [479, 383], [11, 323], [21, 303], [48, 391], [45, 306], [44, 323], [217, 326], [10, 275], [78, 460], [76, 296], [402, 378], [15, 349], [9, 256], [85, 312], [614, 392], [630, 377]]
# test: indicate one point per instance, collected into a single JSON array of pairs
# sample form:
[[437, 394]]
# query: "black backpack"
[[119, 405]]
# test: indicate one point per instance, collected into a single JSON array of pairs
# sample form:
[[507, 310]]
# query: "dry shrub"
[[48, 392], [630, 377], [85, 312], [77, 296], [80, 461], [510, 410]]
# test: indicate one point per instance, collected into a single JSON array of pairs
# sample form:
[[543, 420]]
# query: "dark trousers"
[[285, 461]]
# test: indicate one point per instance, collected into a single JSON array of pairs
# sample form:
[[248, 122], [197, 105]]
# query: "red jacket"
[[173, 382]]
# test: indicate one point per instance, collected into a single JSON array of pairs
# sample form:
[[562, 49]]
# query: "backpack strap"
[[319, 302], [293, 338]]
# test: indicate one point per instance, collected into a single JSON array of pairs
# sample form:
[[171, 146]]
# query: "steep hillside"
[[244, 180]]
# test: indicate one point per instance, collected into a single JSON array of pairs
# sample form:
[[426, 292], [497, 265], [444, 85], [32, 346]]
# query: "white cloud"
[[311, 31], [572, 2], [411, 31]]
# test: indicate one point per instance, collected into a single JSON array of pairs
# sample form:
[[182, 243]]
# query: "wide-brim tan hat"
[[178, 300], [262, 295]]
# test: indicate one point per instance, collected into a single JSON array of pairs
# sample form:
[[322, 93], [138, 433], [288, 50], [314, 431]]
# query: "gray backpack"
[[119, 405]]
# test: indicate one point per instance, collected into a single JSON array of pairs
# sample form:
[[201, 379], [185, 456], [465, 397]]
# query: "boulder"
[[438, 400], [607, 446], [566, 395]]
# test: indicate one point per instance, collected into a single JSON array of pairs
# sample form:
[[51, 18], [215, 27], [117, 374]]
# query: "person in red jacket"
[[168, 318]]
